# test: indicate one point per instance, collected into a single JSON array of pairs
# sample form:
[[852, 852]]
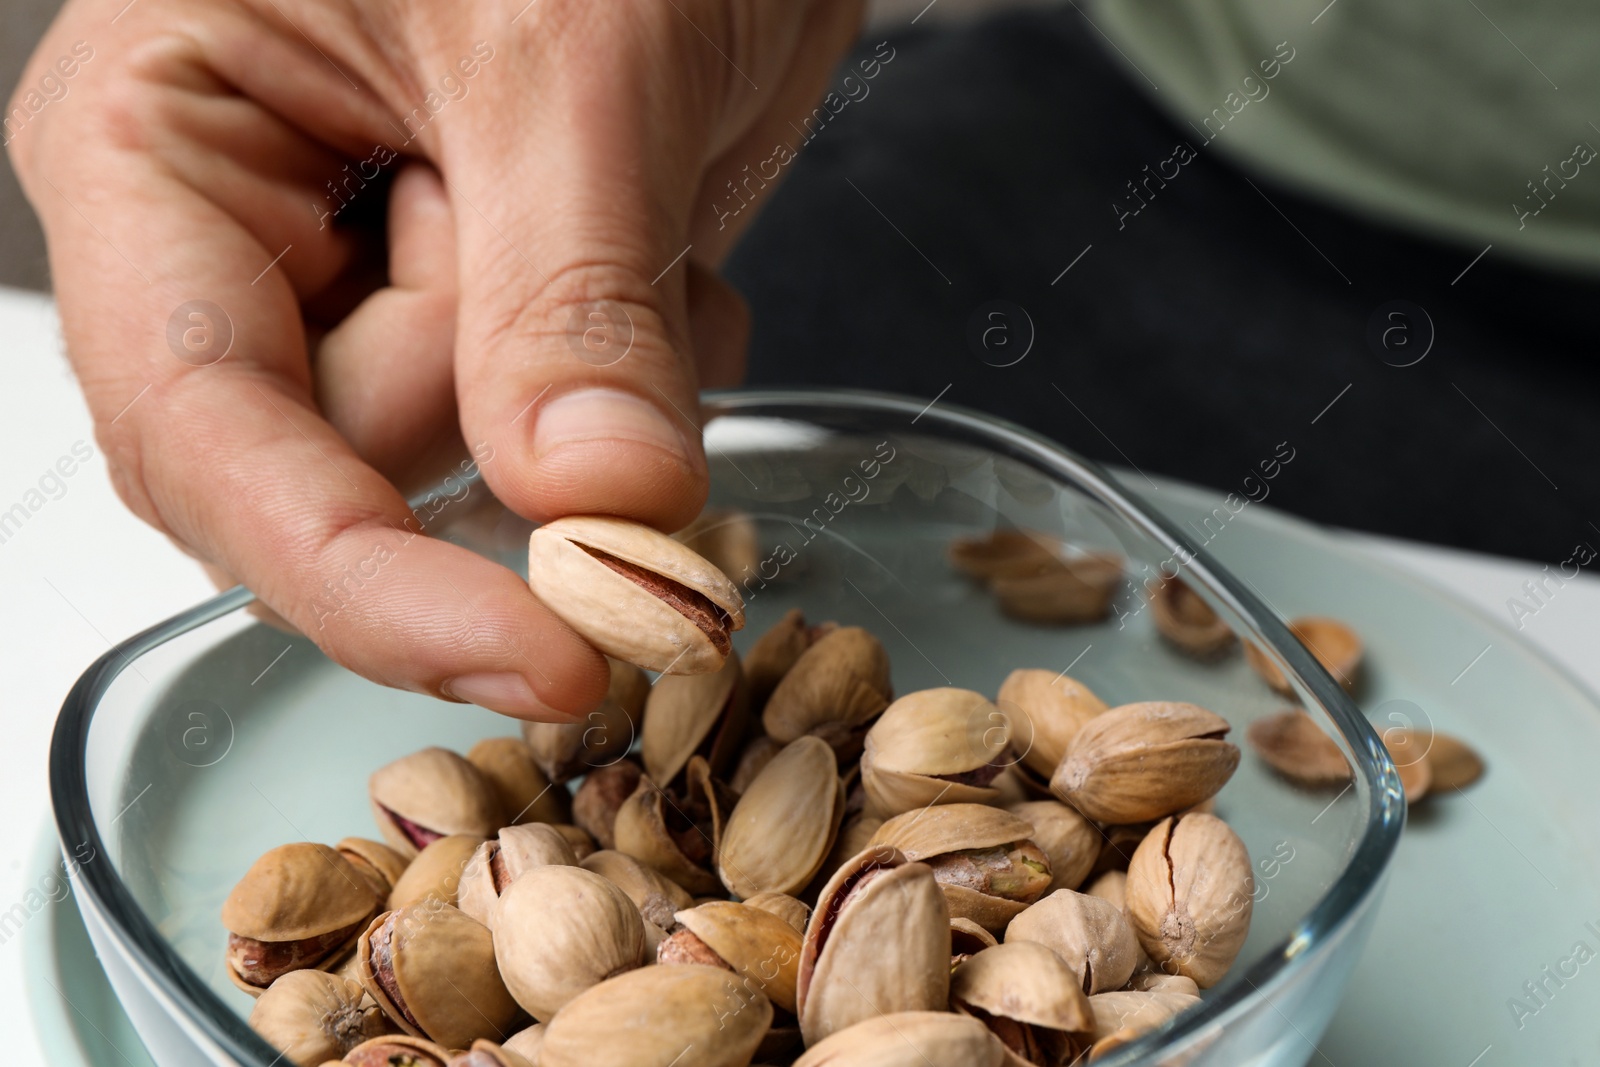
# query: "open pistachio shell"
[[310, 1017], [566, 750], [1005, 553], [1144, 761], [754, 943], [753, 759], [634, 593], [1332, 643], [558, 931], [834, 690], [436, 872], [647, 1017], [504, 858], [1190, 624], [685, 714], [1071, 841], [379, 864], [937, 746], [397, 1050], [430, 794], [1074, 589], [601, 795], [297, 906], [774, 653], [1027, 992], [677, 836], [1090, 935], [526, 794], [782, 828], [1046, 709], [785, 907], [1138, 1012], [854, 836], [878, 942], [657, 897], [980, 855], [909, 1039], [431, 968], [485, 1053], [967, 938]]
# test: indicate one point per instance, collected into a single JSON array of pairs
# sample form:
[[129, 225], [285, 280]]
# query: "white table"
[[67, 595]]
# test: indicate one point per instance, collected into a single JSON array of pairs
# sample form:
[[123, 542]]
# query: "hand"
[[542, 169]]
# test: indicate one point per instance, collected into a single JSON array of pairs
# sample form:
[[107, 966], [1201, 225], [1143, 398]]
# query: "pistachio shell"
[[432, 970], [526, 1042], [1076, 589], [1190, 894], [782, 828], [969, 846], [1294, 745], [758, 752], [1092, 936], [1332, 643], [878, 942], [486, 1053], [558, 931], [672, 834], [657, 897], [1143, 761], [854, 835], [525, 794], [1160, 982], [1184, 618], [601, 795], [582, 843], [727, 538], [504, 858], [1071, 841], [1112, 887], [1046, 710], [1452, 763], [755, 943], [1026, 983], [299, 905], [396, 1050], [1005, 553], [619, 615], [691, 713], [379, 864], [1409, 752], [909, 1039], [436, 872], [438, 793], [967, 938], [774, 653], [1138, 1012], [924, 746], [950, 828], [565, 750], [836, 687], [652, 1015], [310, 1016], [785, 907]]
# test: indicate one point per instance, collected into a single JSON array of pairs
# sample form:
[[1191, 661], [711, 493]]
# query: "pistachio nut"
[[785, 907], [1332, 643], [777, 650], [677, 834], [558, 931], [758, 752], [1294, 745], [649, 1017], [582, 842], [297, 906], [486, 1053], [1092, 936], [938, 746], [1190, 624], [635, 594], [1029, 998], [657, 897], [526, 1042], [565, 750], [727, 538], [1046, 710], [878, 942], [755, 944], [504, 858], [396, 1050], [1071, 842], [436, 872], [686, 715], [909, 1039], [310, 1017], [781, 829], [980, 856], [1005, 553], [1074, 589], [1143, 761], [1137, 1012], [834, 690], [601, 795], [525, 794], [431, 968], [967, 939], [1190, 894], [430, 794], [379, 864]]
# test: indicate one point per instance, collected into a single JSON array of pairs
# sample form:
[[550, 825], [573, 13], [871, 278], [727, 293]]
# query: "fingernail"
[[508, 693], [605, 415]]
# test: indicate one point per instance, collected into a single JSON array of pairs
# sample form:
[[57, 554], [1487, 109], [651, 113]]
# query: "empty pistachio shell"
[[1161, 982], [1294, 745], [938, 746], [774, 652], [432, 970], [297, 906], [1137, 1012], [635, 594], [648, 1017], [436, 872], [1190, 893], [379, 864], [967, 938], [1184, 618], [677, 833], [657, 897], [757, 753], [854, 836], [878, 942], [504, 858], [704, 713], [430, 794], [1409, 751], [560, 930], [311, 1017], [988, 869], [782, 828], [1074, 589], [398, 1050], [785, 907], [1143, 761], [1029, 997], [1090, 935], [753, 943], [566, 750], [834, 690], [1332, 643], [1005, 553], [1071, 841], [484, 1053], [1452, 763], [1046, 710], [601, 795], [581, 840], [525, 793], [909, 1039]]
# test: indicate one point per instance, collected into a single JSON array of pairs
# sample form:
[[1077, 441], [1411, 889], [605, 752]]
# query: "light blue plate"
[[1492, 893]]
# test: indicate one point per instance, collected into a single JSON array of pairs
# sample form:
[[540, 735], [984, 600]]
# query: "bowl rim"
[[1320, 927]]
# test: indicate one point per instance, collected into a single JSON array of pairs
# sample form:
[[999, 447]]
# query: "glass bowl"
[[190, 749]]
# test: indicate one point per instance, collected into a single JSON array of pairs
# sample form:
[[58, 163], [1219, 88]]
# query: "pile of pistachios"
[[768, 858]]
